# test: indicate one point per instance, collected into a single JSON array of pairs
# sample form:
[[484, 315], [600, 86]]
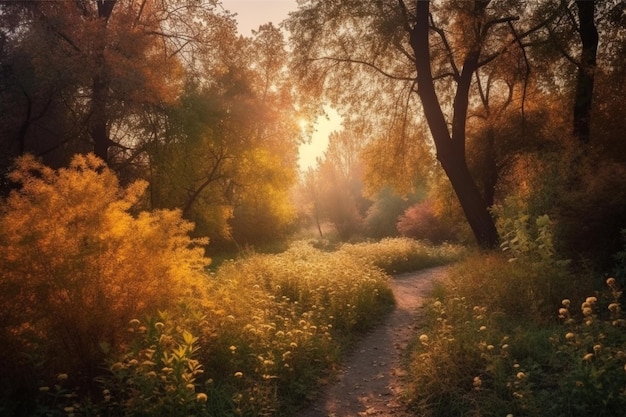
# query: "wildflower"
[[591, 300], [483, 328], [509, 415], [596, 348], [566, 302], [69, 409], [563, 312], [588, 357], [152, 374], [167, 370], [477, 382], [520, 375], [587, 311], [490, 347], [424, 338], [610, 282], [232, 348], [159, 326], [570, 336], [238, 374], [190, 387], [201, 397], [505, 346], [134, 322], [44, 389], [437, 304], [62, 377], [614, 308]]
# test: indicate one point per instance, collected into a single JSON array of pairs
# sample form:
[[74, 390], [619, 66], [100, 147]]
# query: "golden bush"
[[76, 265]]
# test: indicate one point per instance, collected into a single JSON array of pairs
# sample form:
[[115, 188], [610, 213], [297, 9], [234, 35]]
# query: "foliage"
[[397, 255], [473, 361], [421, 222], [159, 374], [494, 344], [78, 261], [138, 328], [381, 217]]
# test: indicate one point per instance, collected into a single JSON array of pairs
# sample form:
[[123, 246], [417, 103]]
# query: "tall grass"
[[258, 342], [507, 337]]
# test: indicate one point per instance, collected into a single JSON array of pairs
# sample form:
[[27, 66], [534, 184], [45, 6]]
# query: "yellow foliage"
[[76, 265]]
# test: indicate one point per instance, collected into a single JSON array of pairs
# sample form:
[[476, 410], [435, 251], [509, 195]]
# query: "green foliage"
[[493, 349], [158, 376], [381, 217]]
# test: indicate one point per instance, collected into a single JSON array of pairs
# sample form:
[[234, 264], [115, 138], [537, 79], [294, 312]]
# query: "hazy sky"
[[253, 13]]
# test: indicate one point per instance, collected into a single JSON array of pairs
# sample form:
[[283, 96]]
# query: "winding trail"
[[370, 382]]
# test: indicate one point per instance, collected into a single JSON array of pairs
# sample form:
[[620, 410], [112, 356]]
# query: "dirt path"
[[370, 381]]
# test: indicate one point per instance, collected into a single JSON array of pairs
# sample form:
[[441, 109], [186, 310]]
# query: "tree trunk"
[[586, 68], [99, 121], [451, 148]]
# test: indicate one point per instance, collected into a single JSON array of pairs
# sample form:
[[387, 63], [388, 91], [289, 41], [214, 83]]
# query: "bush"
[[76, 265], [420, 222]]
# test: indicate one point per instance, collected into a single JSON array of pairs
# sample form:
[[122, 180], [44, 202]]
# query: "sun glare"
[[317, 143]]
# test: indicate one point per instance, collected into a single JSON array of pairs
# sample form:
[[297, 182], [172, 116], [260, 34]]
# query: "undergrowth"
[[269, 330], [519, 334]]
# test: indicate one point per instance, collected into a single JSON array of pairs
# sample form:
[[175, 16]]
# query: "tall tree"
[[365, 44], [122, 57], [226, 153]]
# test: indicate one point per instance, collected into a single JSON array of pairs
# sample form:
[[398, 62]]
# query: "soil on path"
[[370, 381]]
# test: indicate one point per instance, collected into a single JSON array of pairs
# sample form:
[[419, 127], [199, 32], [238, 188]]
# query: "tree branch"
[[361, 62]]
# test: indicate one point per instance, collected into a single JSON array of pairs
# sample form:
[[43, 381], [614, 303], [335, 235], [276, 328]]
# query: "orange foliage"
[[76, 265]]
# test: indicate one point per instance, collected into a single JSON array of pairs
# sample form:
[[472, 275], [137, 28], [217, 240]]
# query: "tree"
[[228, 147], [341, 42], [108, 59]]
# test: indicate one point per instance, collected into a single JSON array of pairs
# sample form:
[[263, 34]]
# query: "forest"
[[162, 253]]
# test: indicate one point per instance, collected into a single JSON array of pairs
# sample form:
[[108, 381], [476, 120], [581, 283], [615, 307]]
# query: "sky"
[[250, 15], [253, 13]]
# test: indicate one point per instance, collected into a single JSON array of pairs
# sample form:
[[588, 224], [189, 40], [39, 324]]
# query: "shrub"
[[76, 265], [420, 222]]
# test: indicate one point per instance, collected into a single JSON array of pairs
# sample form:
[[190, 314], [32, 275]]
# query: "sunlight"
[[316, 145]]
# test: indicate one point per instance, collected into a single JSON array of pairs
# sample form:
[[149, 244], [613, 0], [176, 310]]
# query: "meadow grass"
[[260, 340], [520, 338]]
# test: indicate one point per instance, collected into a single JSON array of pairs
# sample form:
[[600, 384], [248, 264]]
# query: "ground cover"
[[514, 338], [255, 340]]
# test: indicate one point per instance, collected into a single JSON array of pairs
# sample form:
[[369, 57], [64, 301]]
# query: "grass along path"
[[370, 381]]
